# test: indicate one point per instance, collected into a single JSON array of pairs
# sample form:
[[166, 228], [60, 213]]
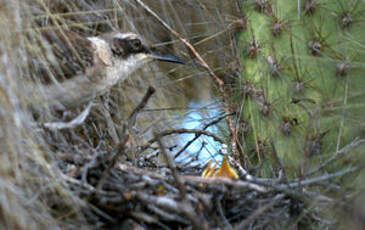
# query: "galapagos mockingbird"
[[90, 66]]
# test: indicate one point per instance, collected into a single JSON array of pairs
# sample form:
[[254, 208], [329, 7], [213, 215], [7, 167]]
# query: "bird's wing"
[[63, 55]]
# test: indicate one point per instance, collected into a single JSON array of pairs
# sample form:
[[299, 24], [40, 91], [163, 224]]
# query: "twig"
[[171, 164], [144, 217], [119, 149], [194, 156], [186, 207], [133, 116], [234, 184], [139, 171], [226, 223], [109, 121], [78, 183], [277, 159], [287, 187], [174, 206], [356, 142], [259, 212], [216, 121], [220, 83], [101, 213], [254, 183], [183, 131], [87, 166], [167, 215], [321, 178]]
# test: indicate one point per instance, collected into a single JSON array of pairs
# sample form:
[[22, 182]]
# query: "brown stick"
[[171, 164], [120, 148], [198, 135], [172, 205], [259, 212], [183, 131]]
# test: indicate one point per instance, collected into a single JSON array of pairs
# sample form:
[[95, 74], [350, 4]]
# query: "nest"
[[144, 193], [118, 194], [155, 199]]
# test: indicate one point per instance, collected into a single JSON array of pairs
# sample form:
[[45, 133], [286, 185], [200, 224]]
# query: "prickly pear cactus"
[[302, 87]]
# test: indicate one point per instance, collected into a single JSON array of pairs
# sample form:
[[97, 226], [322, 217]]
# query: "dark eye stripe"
[[125, 47]]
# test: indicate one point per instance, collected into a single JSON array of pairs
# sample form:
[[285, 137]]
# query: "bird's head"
[[130, 52], [131, 47]]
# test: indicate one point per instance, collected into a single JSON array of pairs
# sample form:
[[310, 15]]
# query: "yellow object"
[[224, 171], [209, 170]]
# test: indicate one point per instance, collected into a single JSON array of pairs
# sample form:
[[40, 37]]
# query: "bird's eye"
[[136, 44]]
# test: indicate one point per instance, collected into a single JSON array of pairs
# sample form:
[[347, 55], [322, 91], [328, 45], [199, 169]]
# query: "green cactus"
[[301, 91]]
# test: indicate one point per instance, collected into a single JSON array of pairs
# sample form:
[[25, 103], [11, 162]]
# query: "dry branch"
[[120, 148], [214, 122], [182, 131], [171, 164]]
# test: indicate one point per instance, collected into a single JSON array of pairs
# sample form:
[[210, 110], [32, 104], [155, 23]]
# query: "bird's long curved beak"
[[166, 57]]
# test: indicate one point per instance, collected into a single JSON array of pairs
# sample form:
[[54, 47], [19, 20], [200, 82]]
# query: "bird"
[[77, 68], [224, 171], [209, 169]]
